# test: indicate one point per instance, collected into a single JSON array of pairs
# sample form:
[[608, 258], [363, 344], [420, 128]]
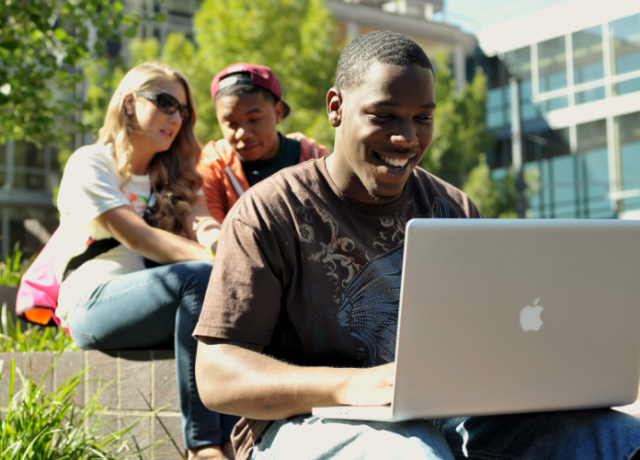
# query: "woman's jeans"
[[147, 309]]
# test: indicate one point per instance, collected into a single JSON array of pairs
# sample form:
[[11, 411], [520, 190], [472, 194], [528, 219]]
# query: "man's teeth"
[[395, 161]]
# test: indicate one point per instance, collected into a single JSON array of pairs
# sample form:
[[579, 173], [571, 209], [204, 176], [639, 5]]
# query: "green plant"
[[33, 338], [12, 269], [40, 426]]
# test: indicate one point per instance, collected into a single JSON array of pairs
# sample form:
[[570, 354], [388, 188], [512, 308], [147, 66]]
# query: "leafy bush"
[[33, 338], [38, 426]]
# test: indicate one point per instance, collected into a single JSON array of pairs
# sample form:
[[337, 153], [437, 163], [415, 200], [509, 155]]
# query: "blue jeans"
[[602, 434], [147, 309], [316, 438], [564, 435]]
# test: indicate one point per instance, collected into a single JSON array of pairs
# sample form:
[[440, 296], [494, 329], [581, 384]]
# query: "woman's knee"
[[198, 272], [84, 340]]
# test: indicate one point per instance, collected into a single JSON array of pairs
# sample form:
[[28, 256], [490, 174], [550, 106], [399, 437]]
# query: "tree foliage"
[[460, 133], [460, 139], [494, 197], [42, 45]]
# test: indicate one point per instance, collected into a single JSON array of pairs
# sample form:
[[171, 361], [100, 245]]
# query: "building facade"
[[578, 71]]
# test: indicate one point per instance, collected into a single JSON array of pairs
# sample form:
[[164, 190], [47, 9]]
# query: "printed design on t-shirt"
[[371, 301], [391, 238], [369, 308], [442, 209], [140, 200], [333, 254]]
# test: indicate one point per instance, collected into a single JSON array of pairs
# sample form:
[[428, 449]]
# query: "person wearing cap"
[[249, 106]]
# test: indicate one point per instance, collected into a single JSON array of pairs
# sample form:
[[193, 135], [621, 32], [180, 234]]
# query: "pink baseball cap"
[[243, 73]]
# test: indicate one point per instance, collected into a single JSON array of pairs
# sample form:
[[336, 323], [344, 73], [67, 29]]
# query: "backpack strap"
[[95, 248], [234, 181]]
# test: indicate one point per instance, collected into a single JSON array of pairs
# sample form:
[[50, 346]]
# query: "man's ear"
[[279, 111], [129, 104], [334, 107]]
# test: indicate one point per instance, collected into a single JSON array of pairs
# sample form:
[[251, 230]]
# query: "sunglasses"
[[167, 103]]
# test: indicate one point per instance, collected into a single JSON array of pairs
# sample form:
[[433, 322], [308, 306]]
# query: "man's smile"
[[394, 163]]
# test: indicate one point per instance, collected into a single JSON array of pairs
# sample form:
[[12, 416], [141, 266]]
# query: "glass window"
[[590, 95], [554, 104], [495, 98], [628, 133], [552, 65], [527, 108], [494, 67], [495, 119], [497, 102], [55, 158], [593, 169], [28, 155], [626, 87], [564, 190], [555, 190], [28, 181], [588, 63], [625, 44], [519, 63]]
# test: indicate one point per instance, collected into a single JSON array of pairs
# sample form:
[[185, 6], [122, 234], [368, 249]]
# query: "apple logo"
[[530, 317]]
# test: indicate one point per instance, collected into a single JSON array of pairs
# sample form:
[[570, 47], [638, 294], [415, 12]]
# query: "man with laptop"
[[302, 307]]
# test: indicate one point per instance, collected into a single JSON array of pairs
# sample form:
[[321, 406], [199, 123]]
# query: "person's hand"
[[368, 387]]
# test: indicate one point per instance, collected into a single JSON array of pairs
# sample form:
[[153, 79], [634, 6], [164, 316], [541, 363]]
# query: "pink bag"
[[38, 292]]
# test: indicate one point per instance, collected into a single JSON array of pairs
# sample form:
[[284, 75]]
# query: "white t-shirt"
[[91, 185]]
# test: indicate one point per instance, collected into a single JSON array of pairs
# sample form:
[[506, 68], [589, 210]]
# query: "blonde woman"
[[131, 201]]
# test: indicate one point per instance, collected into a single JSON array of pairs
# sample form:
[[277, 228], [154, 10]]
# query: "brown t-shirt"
[[313, 274]]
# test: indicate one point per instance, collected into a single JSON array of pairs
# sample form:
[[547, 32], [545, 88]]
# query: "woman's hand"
[[201, 226]]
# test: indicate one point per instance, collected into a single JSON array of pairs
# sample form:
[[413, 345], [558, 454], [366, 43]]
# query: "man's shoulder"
[[217, 152], [309, 148], [283, 189], [458, 203]]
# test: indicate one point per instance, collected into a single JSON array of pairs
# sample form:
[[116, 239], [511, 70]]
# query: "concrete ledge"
[[139, 377]]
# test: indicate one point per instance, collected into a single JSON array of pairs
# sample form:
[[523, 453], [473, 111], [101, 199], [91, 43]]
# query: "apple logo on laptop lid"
[[530, 317]]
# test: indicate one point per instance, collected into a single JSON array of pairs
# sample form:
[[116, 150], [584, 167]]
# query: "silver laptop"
[[506, 316]]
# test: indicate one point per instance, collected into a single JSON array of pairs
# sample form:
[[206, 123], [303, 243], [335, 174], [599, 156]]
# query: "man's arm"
[[234, 378]]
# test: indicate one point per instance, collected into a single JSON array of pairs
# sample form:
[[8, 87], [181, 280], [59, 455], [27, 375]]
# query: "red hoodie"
[[224, 178]]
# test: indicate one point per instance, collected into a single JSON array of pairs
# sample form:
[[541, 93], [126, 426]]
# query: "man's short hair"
[[382, 46]]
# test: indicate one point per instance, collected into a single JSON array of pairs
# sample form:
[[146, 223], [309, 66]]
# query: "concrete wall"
[[139, 376]]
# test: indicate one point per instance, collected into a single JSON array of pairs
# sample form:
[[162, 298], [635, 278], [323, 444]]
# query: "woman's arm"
[[163, 247], [201, 226]]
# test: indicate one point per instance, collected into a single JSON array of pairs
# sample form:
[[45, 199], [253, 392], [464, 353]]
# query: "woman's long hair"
[[173, 172]]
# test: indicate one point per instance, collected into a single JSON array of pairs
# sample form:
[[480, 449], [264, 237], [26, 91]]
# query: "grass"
[[40, 426], [12, 269], [16, 337]]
